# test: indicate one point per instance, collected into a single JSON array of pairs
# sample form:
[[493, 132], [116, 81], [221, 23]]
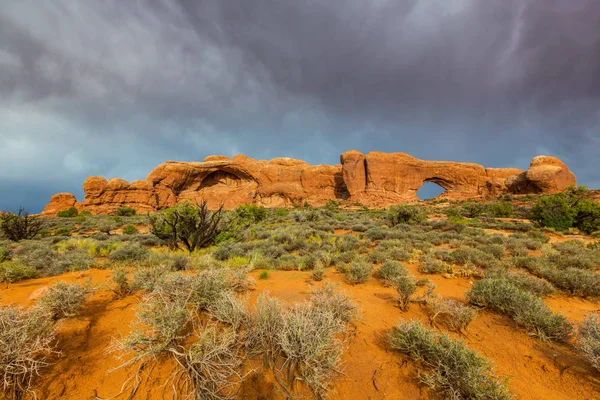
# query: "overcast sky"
[[115, 87]]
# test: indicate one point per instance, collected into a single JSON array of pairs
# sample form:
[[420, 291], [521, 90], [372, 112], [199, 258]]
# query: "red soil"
[[534, 369]]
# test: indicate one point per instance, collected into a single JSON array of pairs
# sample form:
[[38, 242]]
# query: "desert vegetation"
[[293, 302]]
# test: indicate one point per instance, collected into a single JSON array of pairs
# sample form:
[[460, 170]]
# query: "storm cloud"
[[114, 88]]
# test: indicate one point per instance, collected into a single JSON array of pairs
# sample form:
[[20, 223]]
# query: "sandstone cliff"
[[375, 179]]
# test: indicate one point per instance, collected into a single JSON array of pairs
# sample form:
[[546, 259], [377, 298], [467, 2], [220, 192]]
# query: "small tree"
[[587, 217], [20, 226], [193, 225], [553, 212]]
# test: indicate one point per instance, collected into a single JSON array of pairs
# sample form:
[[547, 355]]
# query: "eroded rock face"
[[376, 179]]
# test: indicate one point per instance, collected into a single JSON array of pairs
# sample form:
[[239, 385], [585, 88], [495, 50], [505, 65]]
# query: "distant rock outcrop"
[[376, 180]]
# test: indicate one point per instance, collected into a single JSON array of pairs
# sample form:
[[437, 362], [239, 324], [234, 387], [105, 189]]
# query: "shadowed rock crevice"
[[375, 179]]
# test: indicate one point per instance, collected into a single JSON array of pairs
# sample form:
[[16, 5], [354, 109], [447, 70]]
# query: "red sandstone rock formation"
[[377, 180]]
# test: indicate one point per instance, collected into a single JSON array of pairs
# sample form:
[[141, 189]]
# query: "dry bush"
[[208, 286], [239, 280], [26, 345], [327, 298], [588, 339], [311, 349], [452, 314], [212, 365], [263, 326], [230, 309], [65, 300], [456, 371]]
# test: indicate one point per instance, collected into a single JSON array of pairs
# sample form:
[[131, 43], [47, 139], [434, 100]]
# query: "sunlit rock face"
[[375, 179]]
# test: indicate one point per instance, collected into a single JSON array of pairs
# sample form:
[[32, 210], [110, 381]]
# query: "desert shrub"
[[20, 226], [318, 272], [230, 309], [588, 339], [587, 216], [130, 230], [359, 271], [500, 210], [68, 213], [14, 271], [264, 326], [523, 307], [71, 260], [6, 252], [239, 281], [125, 212], [406, 287], [62, 231], [212, 364], [130, 252], [452, 314], [532, 284], [106, 226], [27, 340], [390, 270], [208, 286], [553, 212], [456, 371], [405, 214], [264, 275], [288, 262], [497, 250], [328, 299], [576, 281], [430, 265], [64, 300], [120, 282], [148, 278], [37, 254]]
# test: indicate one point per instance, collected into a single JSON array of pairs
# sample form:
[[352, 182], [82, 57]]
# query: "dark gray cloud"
[[114, 88]]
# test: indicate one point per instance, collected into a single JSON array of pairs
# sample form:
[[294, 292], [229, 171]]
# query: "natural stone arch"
[[430, 186]]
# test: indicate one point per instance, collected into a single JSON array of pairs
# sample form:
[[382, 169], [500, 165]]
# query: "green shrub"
[[14, 271], [318, 272], [359, 271], [62, 231], [500, 210], [125, 212], [6, 252], [391, 270], [69, 213], [130, 230], [36, 254], [526, 309], [430, 265], [121, 285], [456, 371], [64, 300], [130, 252], [406, 287], [263, 275], [405, 214], [553, 212], [587, 216], [71, 260]]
